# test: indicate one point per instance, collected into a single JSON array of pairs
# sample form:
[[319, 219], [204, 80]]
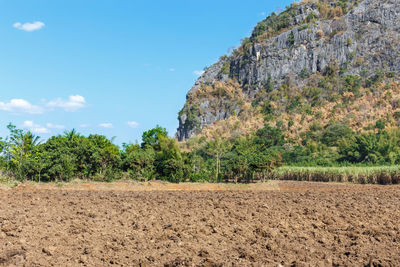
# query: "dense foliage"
[[253, 157]]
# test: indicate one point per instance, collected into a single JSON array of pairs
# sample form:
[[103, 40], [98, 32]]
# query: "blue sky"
[[112, 67]]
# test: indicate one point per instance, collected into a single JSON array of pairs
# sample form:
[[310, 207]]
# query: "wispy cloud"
[[74, 103], [171, 69], [29, 27], [55, 126], [106, 125], [20, 106], [198, 72], [35, 128], [132, 124]]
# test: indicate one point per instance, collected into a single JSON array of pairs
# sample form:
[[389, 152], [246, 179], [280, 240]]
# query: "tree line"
[[24, 156]]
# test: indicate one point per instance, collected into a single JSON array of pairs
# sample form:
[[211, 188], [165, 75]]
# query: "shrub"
[[353, 84], [349, 41], [291, 40], [335, 132], [226, 68]]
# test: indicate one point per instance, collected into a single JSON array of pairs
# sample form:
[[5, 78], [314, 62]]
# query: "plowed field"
[[282, 223]]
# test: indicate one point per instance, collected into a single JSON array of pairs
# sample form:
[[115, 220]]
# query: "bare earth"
[[156, 224]]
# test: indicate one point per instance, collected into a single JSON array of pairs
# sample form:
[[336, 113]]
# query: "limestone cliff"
[[321, 60]]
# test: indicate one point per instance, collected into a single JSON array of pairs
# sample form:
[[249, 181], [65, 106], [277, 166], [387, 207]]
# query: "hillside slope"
[[316, 63]]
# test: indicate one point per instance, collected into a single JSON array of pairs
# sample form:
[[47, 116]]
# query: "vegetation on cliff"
[[317, 62]]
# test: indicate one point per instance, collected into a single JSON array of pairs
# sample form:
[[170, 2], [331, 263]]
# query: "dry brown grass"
[[133, 186], [234, 126], [360, 113], [217, 91]]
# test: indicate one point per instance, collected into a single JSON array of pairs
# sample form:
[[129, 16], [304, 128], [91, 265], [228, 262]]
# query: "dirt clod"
[[298, 224]]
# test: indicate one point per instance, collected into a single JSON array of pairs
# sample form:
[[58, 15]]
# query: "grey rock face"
[[370, 31]]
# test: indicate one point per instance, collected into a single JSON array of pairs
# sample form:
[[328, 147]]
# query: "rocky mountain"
[[315, 63]]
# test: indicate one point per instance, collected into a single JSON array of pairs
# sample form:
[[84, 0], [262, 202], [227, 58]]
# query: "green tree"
[[152, 137], [217, 148], [334, 132], [104, 156], [196, 168], [37, 164], [73, 155], [59, 159], [138, 162], [22, 148], [371, 148], [268, 137], [239, 162], [72, 135], [265, 161], [168, 161]]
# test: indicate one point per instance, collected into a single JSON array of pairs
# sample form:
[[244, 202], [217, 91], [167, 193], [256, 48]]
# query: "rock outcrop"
[[285, 50]]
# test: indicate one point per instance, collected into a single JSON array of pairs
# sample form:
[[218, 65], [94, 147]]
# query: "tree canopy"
[[25, 156]]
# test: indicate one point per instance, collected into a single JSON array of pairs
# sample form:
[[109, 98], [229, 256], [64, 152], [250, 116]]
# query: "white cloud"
[[263, 14], [84, 125], [20, 106], [55, 126], [171, 69], [28, 124], [74, 103], [35, 128], [106, 125], [29, 27], [198, 72], [132, 124]]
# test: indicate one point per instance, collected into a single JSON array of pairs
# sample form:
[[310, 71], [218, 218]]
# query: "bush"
[[226, 68], [335, 132], [353, 84], [291, 39]]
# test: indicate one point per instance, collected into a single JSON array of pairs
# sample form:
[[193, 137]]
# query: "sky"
[[112, 67]]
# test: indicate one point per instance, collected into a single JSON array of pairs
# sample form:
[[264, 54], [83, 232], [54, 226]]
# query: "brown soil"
[[280, 223]]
